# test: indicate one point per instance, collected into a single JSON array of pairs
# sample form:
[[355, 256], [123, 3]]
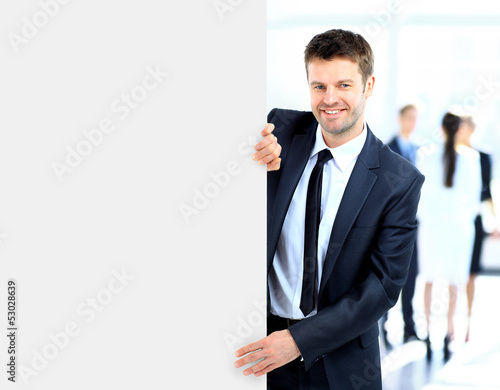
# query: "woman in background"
[[464, 137], [448, 207]]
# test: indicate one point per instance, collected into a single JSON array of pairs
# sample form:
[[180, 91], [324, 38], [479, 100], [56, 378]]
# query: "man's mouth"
[[333, 112]]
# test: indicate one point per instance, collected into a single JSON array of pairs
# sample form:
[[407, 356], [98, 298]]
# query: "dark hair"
[[406, 108], [341, 43], [450, 124]]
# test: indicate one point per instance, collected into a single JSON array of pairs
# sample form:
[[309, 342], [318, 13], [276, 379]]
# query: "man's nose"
[[331, 96]]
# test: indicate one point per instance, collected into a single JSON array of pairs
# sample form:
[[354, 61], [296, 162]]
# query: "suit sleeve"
[[358, 310], [271, 115]]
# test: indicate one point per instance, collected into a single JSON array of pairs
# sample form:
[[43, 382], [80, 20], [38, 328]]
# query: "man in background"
[[403, 145]]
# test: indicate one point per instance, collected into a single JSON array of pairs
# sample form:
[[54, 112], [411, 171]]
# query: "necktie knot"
[[325, 155]]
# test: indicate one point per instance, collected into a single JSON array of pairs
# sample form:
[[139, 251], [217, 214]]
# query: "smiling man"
[[341, 230]]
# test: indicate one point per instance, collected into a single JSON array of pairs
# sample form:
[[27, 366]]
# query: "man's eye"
[[344, 85], [319, 87]]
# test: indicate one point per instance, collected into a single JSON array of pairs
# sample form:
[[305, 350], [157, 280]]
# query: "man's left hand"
[[277, 349]]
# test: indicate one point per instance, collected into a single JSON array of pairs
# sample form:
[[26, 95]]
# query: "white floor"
[[474, 365]]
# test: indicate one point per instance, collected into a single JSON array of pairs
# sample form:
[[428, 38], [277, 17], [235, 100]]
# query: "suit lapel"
[[357, 190], [298, 155]]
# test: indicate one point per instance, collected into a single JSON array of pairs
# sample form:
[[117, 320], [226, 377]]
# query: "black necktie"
[[313, 209]]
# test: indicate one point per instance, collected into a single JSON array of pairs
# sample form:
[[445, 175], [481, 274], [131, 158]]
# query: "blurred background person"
[[447, 211], [403, 145], [464, 137]]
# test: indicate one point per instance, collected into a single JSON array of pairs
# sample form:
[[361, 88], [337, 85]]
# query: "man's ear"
[[369, 86]]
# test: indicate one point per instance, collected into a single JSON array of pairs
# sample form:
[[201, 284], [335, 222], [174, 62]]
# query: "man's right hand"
[[268, 150]]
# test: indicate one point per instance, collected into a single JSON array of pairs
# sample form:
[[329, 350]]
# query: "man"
[[402, 145], [336, 266]]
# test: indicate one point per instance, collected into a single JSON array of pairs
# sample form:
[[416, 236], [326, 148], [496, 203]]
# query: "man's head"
[[408, 119], [341, 44], [339, 67]]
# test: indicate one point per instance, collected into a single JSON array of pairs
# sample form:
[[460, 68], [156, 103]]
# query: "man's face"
[[338, 94], [408, 120]]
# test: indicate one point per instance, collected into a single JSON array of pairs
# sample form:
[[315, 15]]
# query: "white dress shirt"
[[285, 276]]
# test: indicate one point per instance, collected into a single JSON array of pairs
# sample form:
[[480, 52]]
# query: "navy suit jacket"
[[368, 256], [393, 144]]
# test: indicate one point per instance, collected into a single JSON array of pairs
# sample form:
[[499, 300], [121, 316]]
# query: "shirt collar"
[[344, 154]]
